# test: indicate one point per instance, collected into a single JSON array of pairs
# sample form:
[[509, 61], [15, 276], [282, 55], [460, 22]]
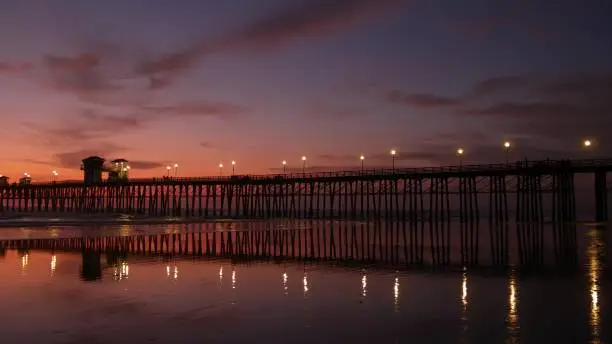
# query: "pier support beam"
[[601, 197]]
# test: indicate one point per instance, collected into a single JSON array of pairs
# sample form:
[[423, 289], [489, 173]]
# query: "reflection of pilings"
[[91, 269], [530, 244], [498, 235], [565, 245], [563, 197], [384, 244]]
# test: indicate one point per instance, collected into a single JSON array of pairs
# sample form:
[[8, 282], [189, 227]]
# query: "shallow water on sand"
[[70, 296]]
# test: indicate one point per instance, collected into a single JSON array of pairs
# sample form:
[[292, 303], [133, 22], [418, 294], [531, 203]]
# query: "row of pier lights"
[[507, 145]]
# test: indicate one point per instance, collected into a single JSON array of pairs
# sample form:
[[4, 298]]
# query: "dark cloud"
[[555, 113], [207, 145], [156, 83], [91, 77], [72, 159], [145, 165], [336, 157], [220, 110], [81, 63], [333, 113], [86, 126], [529, 110], [90, 125], [15, 68], [498, 84], [309, 19], [591, 90], [421, 99]]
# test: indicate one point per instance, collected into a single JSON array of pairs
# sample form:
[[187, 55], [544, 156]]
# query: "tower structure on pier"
[[118, 170], [92, 169]]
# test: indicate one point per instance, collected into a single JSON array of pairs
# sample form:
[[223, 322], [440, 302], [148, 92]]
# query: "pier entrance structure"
[[92, 170]]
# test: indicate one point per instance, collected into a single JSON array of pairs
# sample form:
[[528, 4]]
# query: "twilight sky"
[[208, 81]]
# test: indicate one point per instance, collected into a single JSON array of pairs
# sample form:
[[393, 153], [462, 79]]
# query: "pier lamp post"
[[393, 152], [220, 170], [303, 164], [168, 168], [460, 153], [55, 174], [284, 166], [507, 146], [233, 167], [362, 158], [176, 166]]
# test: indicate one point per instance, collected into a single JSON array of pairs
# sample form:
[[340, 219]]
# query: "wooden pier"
[[523, 191]]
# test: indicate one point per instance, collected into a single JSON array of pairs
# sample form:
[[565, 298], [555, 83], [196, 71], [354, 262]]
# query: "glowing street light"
[[507, 146], [393, 152], [284, 166], [176, 170], [460, 153], [55, 174], [233, 167], [588, 145], [168, 168], [362, 158], [303, 164], [220, 169]]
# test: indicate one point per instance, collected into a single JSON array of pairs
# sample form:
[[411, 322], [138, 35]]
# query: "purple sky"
[[259, 82]]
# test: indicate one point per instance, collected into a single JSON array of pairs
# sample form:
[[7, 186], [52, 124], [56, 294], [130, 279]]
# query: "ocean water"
[[301, 282]]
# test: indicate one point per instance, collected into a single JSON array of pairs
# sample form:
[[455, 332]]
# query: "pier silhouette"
[[538, 190]]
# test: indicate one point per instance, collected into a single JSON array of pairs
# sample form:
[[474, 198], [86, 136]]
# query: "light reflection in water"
[[513, 314], [396, 294], [464, 291], [172, 272], [594, 252], [233, 279], [285, 286], [305, 281], [24, 261], [364, 285], [121, 272], [53, 264]]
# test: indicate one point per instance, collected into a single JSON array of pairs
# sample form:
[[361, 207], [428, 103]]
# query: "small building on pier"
[[25, 180], [92, 169], [4, 181], [118, 170]]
